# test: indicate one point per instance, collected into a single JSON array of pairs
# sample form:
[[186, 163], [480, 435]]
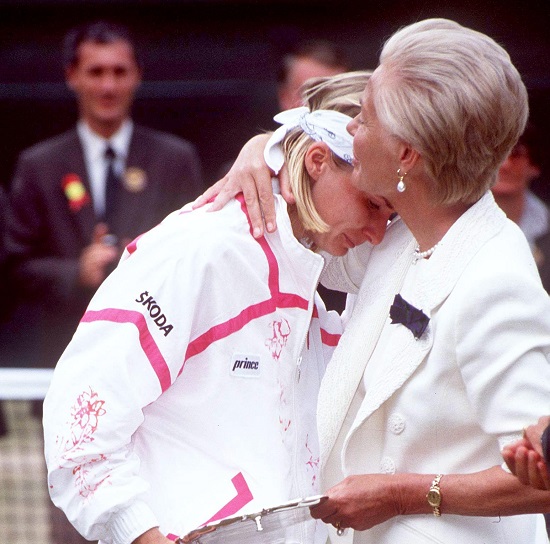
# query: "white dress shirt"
[[94, 147]]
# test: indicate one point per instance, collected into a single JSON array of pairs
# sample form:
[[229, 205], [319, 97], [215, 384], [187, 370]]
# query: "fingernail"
[[270, 227], [257, 232]]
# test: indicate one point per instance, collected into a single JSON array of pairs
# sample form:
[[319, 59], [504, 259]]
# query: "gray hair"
[[455, 96]]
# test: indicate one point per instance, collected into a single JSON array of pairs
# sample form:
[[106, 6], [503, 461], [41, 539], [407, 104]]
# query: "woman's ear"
[[408, 157], [316, 159]]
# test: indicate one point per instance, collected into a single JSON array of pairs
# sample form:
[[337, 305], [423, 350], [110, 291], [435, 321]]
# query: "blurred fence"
[[24, 500]]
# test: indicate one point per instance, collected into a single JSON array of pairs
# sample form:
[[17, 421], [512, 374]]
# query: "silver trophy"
[[274, 525]]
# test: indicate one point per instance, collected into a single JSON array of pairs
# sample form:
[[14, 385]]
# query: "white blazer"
[[449, 401]]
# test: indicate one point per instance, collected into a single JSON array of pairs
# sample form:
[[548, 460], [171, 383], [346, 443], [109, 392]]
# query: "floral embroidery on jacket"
[[284, 420], [312, 463], [83, 423], [281, 331]]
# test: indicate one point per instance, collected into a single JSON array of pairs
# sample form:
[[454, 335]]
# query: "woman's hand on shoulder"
[[251, 176]]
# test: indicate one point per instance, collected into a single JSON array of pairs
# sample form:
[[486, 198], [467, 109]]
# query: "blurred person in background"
[[529, 458], [307, 59], [78, 198], [512, 191]]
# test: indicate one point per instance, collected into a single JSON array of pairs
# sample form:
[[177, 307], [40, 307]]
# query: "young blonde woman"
[[188, 392]]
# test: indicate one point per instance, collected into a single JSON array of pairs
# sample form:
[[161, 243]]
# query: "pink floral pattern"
[[280, 333], [83, 423], [284, 422], [86, 412], [312, 463]]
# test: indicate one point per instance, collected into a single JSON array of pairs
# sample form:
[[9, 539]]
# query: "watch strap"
[[435, 487]]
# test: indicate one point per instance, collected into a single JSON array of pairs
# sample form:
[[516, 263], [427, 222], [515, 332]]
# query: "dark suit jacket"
[[47, 231]]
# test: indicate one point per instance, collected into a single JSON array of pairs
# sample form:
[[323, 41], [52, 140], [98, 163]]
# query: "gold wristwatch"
[[434, 495]]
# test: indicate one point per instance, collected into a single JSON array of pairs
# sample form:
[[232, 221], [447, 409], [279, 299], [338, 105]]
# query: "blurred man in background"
[[315, 58], [79, 197]]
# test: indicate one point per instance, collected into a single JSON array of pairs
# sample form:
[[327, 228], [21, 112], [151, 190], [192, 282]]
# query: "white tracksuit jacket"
[[189, 390]]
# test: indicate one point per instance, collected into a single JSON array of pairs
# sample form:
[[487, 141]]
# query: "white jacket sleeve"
[[128, 349], [504, 345]]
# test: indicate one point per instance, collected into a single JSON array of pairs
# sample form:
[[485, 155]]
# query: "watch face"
[[434, 497]]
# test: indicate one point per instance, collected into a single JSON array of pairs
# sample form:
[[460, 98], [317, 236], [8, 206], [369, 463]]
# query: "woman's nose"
[[352, 126], [376, 230]]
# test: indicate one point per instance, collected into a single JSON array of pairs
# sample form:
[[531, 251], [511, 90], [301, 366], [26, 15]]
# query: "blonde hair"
[[339, 93], [455, 96]]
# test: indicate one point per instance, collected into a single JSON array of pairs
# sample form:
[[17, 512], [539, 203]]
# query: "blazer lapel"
[[73, 164], [466, 237], [136, 196], [384, 276], [472, 230]]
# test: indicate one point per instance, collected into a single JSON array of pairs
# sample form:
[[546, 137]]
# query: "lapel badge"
[[76, 193], [135, 179]]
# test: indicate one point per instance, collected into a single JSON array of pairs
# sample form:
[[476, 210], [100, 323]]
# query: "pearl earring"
[[401, 184]]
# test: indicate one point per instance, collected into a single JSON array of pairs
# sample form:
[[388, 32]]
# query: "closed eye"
[[372, 205]]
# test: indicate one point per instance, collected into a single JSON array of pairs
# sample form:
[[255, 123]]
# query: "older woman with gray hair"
[[445, 357]]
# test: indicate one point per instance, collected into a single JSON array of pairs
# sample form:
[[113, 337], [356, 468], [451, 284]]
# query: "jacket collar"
[[465, 238], [384, 278], [355, 347]]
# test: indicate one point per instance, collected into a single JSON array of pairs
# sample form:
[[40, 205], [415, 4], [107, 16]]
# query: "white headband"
[[320, 125]]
